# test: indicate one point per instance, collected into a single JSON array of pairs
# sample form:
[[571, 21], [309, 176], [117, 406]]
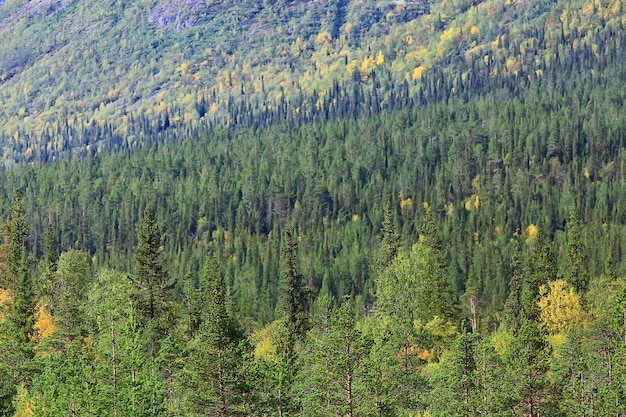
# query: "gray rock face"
[[177, 13]]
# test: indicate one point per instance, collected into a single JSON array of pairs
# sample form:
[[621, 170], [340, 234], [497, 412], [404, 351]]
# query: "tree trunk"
[[221, 385], [114, 360]]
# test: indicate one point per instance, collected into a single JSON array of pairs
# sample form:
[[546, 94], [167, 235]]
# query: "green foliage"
[[150, 275], [334, 378], [71, 282], [7, 391], [577, 276], [495, 125], [414, 287], [294, 294], [214, 378]]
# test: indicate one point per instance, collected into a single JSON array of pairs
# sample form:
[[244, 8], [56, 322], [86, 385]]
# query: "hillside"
[[121, 66], [290, 208]]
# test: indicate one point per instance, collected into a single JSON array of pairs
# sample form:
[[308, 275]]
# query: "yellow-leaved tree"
[[560, 310]]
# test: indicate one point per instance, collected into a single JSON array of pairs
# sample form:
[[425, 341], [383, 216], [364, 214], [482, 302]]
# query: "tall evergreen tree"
[[390, 244], [151, 276], [45, 285], [455, 387], [513, 305], [18, 240], [22, 315], [577, 275], [213, 379], [333, 380], [293, 291]]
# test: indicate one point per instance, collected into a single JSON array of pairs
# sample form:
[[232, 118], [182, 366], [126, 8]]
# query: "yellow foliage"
[[559, 307], [366, 67], [263, 340], [588, 10], [501, 341], [510, 63], [351, 66], [474, 31], [418, 72], [380, 58], [183, 68], [5, 299], [425, 205], [44, 323], [556, 340], [23, 404], [531, 231], [586, 173], [355, 217], [473, 201], [447, 37], [425, 355], [323, 38], [114, 93], [405, 203]]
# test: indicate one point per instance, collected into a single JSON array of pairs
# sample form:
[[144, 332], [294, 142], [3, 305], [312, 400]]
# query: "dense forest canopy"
[[428, 226]]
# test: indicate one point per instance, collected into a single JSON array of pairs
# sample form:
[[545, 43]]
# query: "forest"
[[436, 232], [455, 257]]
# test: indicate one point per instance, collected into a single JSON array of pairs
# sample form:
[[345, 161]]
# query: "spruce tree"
[[390, 244], [577, 276], [294, 293], [18, 240], [45, 285], [150, 277], [22, 314], [513, 305]]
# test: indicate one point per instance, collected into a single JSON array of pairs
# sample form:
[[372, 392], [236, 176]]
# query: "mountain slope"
[[75, 63]]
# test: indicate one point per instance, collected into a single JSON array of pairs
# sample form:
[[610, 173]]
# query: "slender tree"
[[213, 379], [577, 276], [151, 276], [390, 244], [294, 292]]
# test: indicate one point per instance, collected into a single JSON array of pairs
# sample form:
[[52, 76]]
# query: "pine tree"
[[22, 315], [70, 294], [333, 380], [213, 379], [455, 386]]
